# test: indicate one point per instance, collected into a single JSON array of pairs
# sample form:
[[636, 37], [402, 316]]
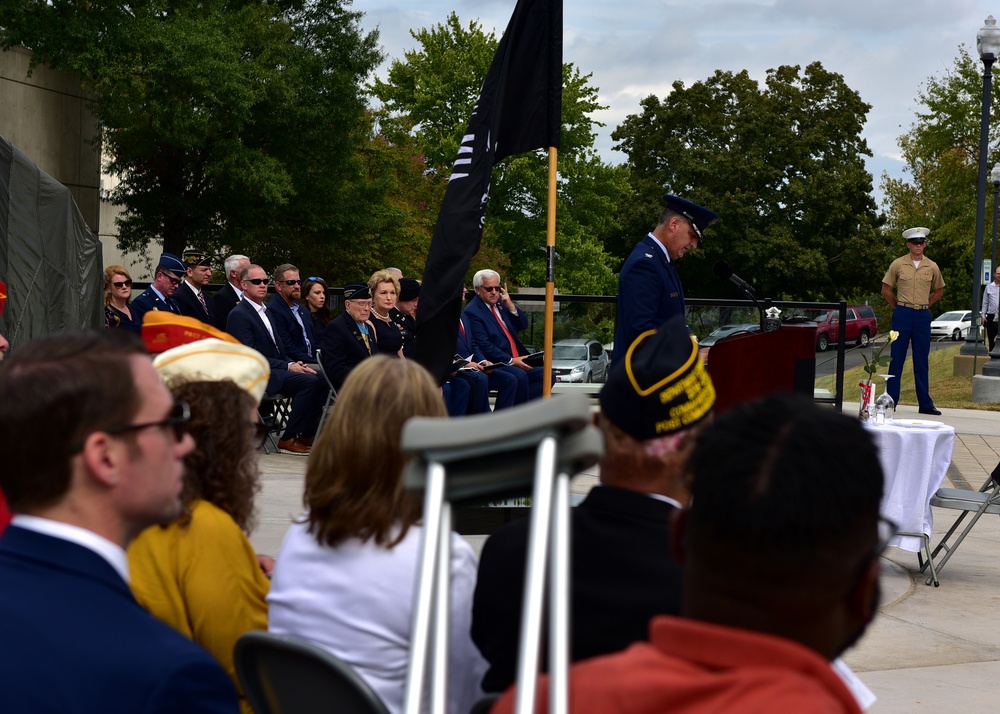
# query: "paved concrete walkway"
[[930, 650]]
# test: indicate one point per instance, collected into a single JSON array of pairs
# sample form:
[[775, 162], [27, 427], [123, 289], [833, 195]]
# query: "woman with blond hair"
[[346, 571], [384, 287], [117, 296]]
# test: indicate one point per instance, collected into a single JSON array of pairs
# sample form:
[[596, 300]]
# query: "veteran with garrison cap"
[[657, 397], [918, 283], [649, 288], [167, 277]]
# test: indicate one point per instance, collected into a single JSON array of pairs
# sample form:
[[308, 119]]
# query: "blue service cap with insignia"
[[916, 235], [357, 291], [661, 387], [173, 264], [701, 218]]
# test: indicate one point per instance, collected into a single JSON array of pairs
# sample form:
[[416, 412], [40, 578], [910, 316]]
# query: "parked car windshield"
[[569, 352], [951, 317]]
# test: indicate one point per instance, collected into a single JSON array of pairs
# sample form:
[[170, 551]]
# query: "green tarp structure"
[[49, 258]]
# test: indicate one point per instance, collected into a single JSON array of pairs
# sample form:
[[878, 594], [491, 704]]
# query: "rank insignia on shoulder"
[[648, 255], [674, 295]]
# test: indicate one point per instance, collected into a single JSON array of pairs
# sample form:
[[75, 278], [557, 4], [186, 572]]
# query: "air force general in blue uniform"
[[649, 289]]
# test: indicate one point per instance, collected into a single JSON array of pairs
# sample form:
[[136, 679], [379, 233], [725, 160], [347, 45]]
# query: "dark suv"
[[861, 325]]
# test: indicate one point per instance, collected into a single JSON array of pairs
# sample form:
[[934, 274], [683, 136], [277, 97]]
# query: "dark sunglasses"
[[171, 278], [887, 530], [122, 283], [289, 282], [177, 419], [260, 431], [490, 288], [257, 281]]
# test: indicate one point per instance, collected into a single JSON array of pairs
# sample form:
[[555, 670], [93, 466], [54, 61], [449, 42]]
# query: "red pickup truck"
[[861, 325]]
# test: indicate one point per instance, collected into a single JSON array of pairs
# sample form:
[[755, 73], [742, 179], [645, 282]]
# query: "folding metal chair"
[[286, 675], [533, 448], [274, 411], [978, 503], [330, 398]]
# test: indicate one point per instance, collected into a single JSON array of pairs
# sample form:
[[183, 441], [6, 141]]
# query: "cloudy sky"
[[885, 49]]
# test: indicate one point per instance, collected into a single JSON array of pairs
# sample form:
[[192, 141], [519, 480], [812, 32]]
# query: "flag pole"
[[550, 269]]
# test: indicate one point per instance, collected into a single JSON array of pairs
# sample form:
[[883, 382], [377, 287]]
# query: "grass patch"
[[947, 390]]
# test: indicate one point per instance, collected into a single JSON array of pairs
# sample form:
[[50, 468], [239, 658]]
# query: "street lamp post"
[[988, 46], [995, 178]]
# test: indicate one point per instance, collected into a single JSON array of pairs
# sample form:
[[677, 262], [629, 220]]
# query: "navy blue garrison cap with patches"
[[701, 218], [173, 264]]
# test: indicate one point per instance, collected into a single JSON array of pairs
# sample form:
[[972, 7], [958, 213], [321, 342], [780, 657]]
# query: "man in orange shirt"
[[780, 557]]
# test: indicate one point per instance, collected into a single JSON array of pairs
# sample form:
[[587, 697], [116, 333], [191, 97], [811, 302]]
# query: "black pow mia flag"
[[518, 110]]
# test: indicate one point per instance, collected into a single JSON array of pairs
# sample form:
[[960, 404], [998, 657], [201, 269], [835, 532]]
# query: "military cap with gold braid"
[[661, 387]]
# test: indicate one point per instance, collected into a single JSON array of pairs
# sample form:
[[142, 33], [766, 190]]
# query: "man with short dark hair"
[[623, 573], [780, 558], [251, 324], [190, 296], [232, 292], [167, 278], [292, 324], [649, 288], [93, 448]]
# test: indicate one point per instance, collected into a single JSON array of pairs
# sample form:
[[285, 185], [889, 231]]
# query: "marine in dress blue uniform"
[[649, 288]]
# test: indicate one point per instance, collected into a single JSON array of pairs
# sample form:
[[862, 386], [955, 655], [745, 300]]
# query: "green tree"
[[233, 125], [430, 94], [941, 150], [782, 164]]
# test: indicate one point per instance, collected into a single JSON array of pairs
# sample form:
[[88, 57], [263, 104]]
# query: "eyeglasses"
[[289, 282], [171, 278], [490, 288], [257, 281], [260, 431], [887, 530], [177, 418], [122, 283]]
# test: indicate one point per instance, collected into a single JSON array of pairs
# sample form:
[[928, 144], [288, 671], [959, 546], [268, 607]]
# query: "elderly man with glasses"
[[253, 324], [93, 447], [649, 288], [170, 271]]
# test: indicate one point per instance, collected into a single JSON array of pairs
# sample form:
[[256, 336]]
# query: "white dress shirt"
[[111, 552]]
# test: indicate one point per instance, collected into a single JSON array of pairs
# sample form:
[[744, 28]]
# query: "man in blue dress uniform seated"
[[167, 278], [93, 448], [649, 288]]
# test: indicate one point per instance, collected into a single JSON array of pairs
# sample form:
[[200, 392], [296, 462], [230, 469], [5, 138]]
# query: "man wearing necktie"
[[167, 277], [649, 288], [495, 322], [190, 296]]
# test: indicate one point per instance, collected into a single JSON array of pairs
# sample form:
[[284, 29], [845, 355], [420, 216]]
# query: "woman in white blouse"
[[346, 571]]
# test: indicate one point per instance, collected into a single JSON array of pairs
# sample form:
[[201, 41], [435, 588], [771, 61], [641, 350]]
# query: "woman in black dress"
[[384, 288], [117, 296]]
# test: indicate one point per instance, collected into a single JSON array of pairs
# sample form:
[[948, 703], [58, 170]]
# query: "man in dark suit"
[[93, 444], [293, 325], [649, 288], [190, 296], [622, 569], [232, 292], [495, 322], [250, 323], [504, 382], [350, 337], [167, 277]]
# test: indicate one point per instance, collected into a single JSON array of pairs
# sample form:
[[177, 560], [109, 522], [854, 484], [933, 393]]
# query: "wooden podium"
[[751, 364]]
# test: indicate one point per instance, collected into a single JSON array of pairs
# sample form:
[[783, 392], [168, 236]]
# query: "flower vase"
[[867, 401]]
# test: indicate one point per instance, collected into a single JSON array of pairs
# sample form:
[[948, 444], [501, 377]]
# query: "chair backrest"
[[331, 398], [287, 675]]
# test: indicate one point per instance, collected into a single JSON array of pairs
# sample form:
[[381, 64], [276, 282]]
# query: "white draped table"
[[915, 456]]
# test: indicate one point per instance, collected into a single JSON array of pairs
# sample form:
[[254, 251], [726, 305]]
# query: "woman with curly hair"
[[346, 571], [117, 296], [199, 574]]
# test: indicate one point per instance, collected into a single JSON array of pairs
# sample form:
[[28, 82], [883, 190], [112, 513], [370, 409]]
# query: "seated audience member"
[[250, 323], [350, 338], [167, 278], [199, 574], [314, 300], [404, 314], [190, 295], [495, 328], [232, 292], [292, 325], [345, 575], [623, 573], [780, 556], [384, 288], [93, 447], [501, 380], [117, 296]]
